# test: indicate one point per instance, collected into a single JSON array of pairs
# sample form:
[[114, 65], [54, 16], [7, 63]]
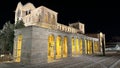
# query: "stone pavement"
[[108, 61]]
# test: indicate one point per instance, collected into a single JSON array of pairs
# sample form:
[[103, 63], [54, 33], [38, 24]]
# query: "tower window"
[[28, 12]]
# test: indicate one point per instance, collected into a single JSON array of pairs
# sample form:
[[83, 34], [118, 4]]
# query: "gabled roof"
[[28, 6], [25, 7]]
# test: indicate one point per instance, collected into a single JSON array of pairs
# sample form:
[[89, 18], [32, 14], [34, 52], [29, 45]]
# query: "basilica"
[[44, 40]]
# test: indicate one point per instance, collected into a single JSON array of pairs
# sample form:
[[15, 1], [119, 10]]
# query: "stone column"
[[69, 47], [92, 46], [83, 46]]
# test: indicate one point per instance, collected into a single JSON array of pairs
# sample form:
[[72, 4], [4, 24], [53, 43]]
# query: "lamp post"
[[102, 43]]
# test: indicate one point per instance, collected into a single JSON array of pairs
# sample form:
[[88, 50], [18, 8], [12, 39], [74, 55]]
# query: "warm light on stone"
[[44, 40]]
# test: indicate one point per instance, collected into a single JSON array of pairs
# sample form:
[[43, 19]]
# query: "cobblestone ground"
[[98, 61]]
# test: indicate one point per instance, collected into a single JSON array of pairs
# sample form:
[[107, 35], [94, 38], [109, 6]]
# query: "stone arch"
[[18, 48], [51, 47], [86, 48], [58, 47], [65, 46], [80, 45], [89, 47], [77, 46], [96, 47]]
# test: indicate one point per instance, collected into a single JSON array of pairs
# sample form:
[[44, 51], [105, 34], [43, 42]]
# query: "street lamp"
[[102, 43]]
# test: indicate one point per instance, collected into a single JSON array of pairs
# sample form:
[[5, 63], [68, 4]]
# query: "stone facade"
[[35, 43], [44, 17], [101, 38], [44, 39]]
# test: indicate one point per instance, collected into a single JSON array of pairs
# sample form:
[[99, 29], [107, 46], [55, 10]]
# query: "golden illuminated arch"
[[77, 46], [18, 49], [96, 47], [51, 47], [64, 47], [86, 43], [58, 47], [89, 47]]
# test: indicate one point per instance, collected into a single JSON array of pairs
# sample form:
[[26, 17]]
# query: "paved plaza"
[[111, 60]]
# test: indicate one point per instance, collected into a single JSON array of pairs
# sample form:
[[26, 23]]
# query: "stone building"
[[45, 40], [44, 17], [101, 38]]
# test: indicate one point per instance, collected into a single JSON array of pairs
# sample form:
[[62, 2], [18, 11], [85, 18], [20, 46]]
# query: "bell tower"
[[23, 10]]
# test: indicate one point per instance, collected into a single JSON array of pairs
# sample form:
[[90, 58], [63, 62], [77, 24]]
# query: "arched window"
[[64, 47], [51, 46], [77, 46], [86, 48], [28, 12], [89, 46], [18, 49], [58, 47], [96, 47]]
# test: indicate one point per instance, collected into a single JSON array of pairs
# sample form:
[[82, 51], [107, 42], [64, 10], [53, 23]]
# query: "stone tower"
[[40, 16]]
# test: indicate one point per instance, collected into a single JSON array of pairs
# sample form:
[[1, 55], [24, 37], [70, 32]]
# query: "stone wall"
[[26, 44], [35, 43]]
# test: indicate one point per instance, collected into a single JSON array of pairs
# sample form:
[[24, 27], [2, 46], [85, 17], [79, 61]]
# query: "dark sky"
[[97, 16]]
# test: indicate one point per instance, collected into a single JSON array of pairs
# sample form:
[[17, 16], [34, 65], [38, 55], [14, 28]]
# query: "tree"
[[7, 36], [19, 24]]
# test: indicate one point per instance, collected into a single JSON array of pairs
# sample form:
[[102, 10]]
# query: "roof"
[[25, 7], [28, 6]]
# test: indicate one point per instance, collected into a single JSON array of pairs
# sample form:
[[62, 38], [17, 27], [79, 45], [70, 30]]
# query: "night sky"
[[96, 16]]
